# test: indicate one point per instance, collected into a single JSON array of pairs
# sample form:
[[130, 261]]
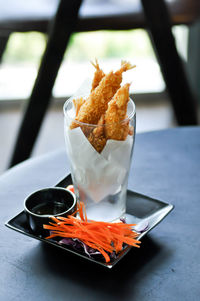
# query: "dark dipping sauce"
[[49, 208]]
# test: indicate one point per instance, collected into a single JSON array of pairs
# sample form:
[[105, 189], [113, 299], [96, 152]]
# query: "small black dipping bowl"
[[42, 204]]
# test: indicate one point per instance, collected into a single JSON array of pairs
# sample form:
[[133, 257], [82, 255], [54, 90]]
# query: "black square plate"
[[141, 210]]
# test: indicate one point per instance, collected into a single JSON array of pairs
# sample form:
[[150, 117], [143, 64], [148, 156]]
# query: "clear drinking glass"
[[100, 177]]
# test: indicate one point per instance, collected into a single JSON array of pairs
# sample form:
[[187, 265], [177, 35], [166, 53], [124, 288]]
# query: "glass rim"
[[129, 117]]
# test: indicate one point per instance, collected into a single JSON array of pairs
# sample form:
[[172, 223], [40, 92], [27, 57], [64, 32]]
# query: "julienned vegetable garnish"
[[70, 188], [102, 236]]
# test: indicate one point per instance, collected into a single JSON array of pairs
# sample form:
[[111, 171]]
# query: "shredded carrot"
[[70, 187], [103, 236]]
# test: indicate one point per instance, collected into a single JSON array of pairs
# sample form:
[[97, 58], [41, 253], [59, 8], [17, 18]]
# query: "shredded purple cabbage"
[[141, 227], [81, 247], [123, 220]]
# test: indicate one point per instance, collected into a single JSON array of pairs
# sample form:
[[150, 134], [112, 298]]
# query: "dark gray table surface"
[[166, 165]]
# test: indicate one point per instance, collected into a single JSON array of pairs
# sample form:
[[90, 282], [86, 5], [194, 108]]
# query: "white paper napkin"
[[102, 174]]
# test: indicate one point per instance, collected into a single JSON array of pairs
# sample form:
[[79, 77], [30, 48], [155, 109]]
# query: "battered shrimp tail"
[[122, 96], [95, 64], [125, 66], [78, 102], [99, 74]]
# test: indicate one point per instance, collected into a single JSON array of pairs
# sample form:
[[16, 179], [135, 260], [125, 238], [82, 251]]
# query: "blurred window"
[[24, 51]]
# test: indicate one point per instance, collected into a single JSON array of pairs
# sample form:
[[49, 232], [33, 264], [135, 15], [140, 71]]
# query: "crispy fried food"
[[131, 130], [117, 108], [97, 103], [97, 136], [98, 75], [78, 103]]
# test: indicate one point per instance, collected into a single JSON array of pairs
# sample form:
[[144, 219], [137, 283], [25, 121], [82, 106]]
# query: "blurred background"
[[21, 60]]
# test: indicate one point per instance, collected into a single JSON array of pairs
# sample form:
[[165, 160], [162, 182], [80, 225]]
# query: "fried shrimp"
[[116, 128], [97, 103], [97, 136], [98, 75]]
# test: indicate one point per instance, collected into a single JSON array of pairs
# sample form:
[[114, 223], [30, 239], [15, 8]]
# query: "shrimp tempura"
[[98, 75], [97, 103], [117, 109], [97, 136]]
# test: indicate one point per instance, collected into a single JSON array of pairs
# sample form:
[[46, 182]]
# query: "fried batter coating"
[[97, 103], [98, 75], [116, 128], [97, 136], [131, 130]]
